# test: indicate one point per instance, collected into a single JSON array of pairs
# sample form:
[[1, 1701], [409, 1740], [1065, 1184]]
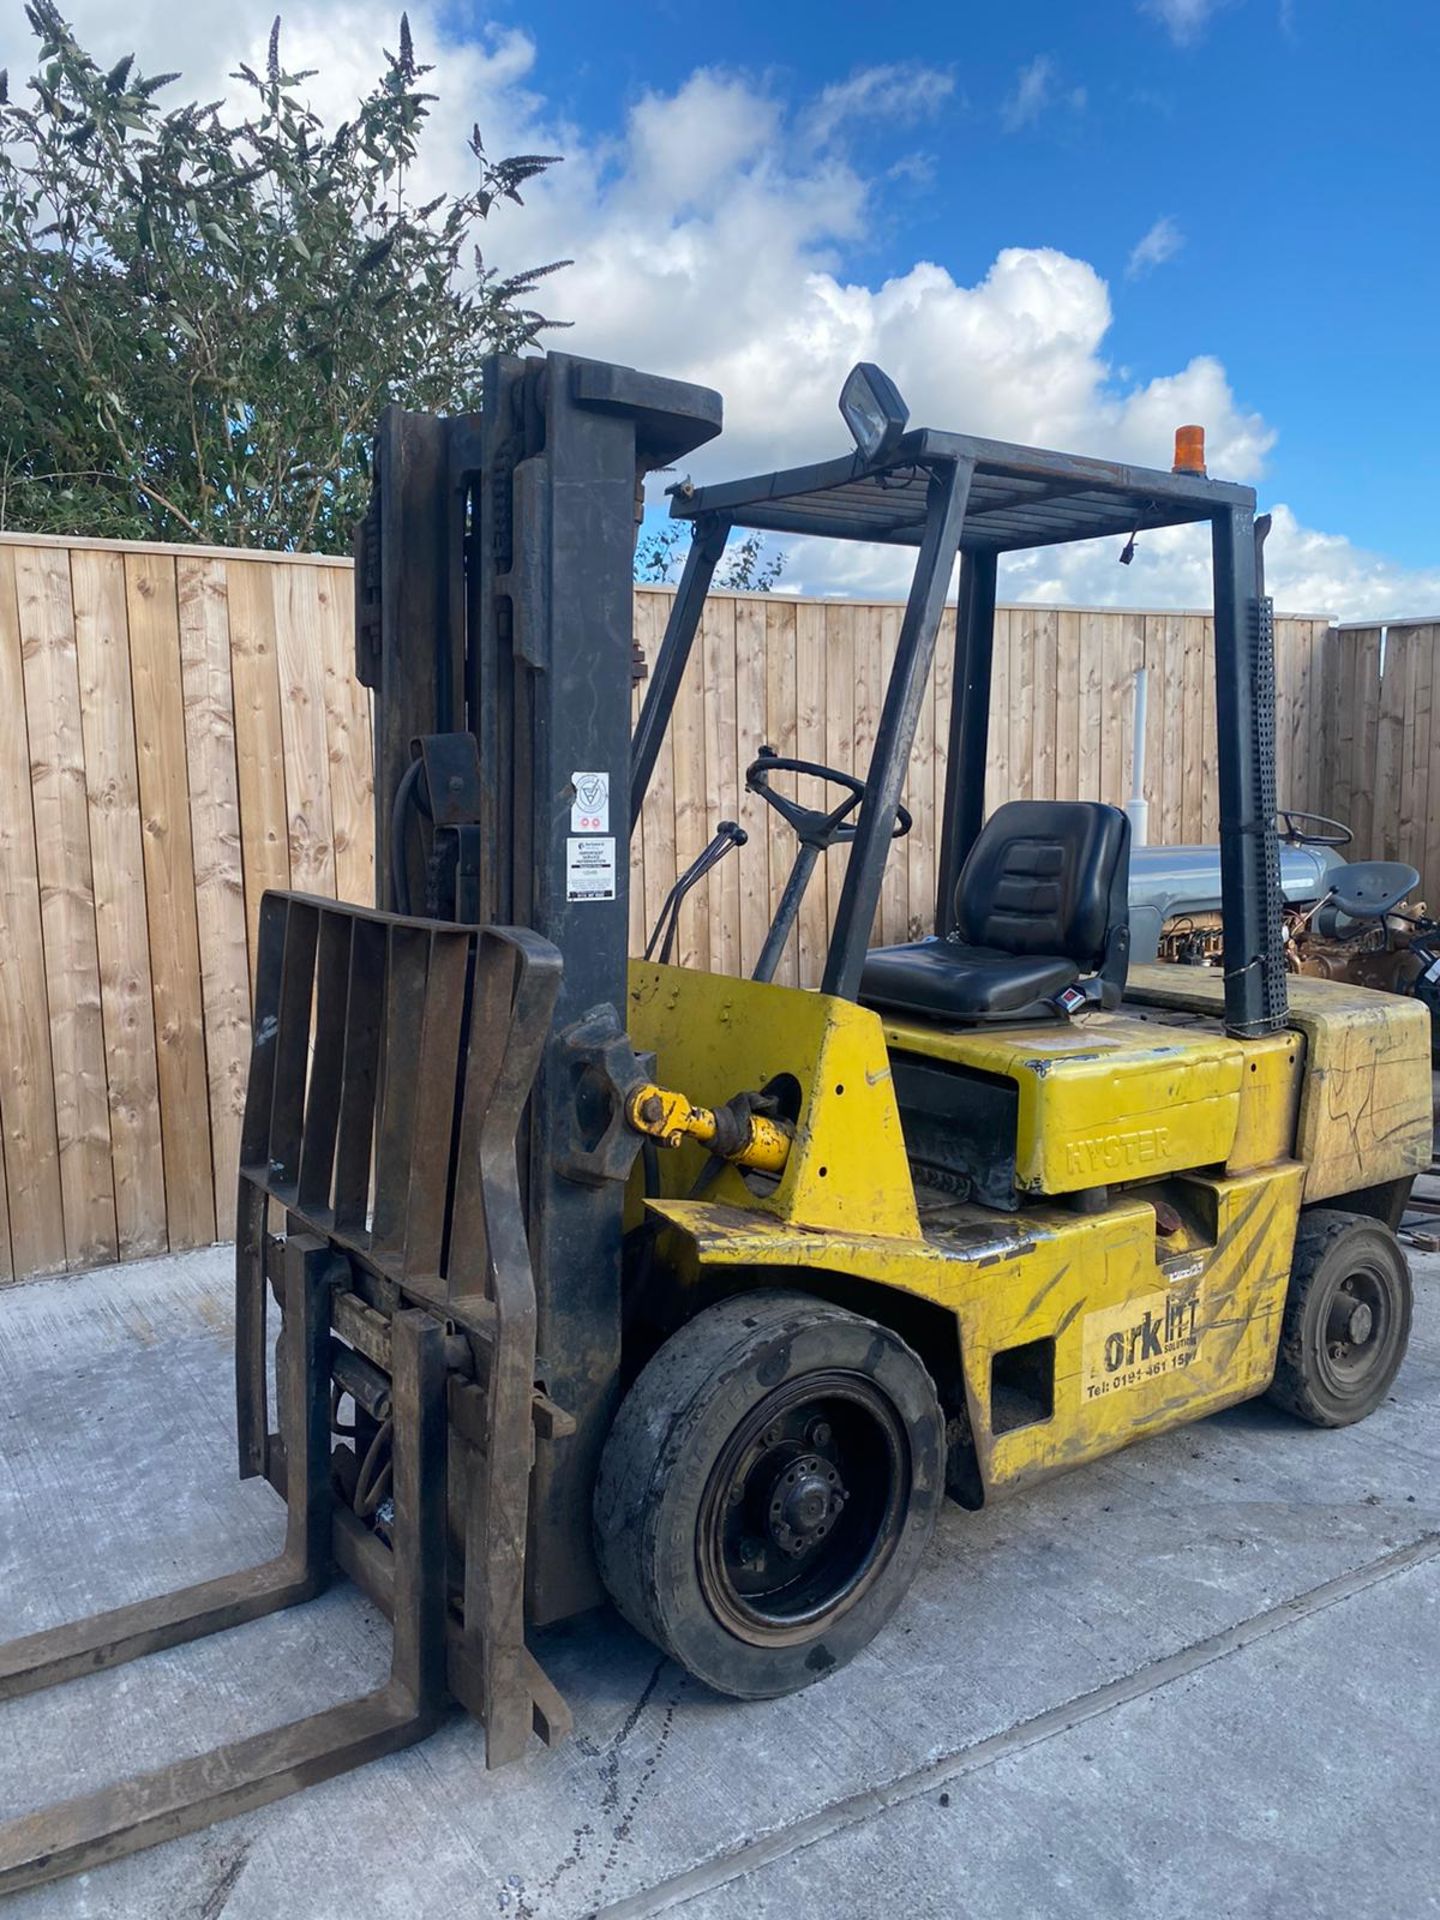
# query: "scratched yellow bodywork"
[[1269, 1101], [1041, 1275], [1162, 1305], [1365, 1099]]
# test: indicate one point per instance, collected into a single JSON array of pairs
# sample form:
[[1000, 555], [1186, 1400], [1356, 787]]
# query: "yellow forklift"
[[630, 1279]]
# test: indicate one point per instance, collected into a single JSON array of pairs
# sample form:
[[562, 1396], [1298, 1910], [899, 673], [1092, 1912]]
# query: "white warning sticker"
[[590, 868], [590, 809]]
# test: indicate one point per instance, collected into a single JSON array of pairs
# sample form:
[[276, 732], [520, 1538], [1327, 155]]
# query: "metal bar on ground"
[[86, 1833]]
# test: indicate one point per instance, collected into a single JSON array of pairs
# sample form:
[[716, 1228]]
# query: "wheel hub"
[[804, 1506], [1362, 1320], [1351, 1321], [805, 1499]]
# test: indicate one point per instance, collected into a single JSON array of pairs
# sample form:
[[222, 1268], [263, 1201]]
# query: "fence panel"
[[117, 855], [158, 770], [67, 902], [1380, 764], [35, 1211], [170, 894], [214, 782]]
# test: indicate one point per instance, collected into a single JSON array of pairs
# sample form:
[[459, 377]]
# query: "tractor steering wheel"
[[1293, 836], [814, 828]]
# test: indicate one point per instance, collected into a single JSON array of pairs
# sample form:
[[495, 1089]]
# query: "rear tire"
[[768, 1490], [1347, 1319]]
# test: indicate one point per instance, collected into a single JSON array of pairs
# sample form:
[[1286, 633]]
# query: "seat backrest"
[[1046, 876]]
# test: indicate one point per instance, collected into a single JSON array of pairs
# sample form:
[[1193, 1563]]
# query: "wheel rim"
[[1356, 1333], [804, 1507]]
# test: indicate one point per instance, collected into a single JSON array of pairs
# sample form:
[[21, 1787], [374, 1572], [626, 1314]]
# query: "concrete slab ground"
[[1202, 1678]]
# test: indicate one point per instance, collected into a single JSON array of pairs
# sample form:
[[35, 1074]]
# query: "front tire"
[[1347, 1319], [768, 1490]]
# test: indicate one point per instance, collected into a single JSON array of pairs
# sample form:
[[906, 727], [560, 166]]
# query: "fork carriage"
[[404, 1283]]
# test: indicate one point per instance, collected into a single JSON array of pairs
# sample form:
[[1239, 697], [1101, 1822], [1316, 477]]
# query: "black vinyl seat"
[[1041, 906]]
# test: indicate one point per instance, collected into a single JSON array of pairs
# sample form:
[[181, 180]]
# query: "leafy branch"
[[207, 306], [746, 566]]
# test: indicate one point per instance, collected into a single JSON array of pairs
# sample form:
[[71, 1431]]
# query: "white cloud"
[[1153, 249], [710, 232], [918, 168], [900, 93], [480, 79], [1324, 572], [1034, 87], [1185, 20], [689, 148], [1037, 89]]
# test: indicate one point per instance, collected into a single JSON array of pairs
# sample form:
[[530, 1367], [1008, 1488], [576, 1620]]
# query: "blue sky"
[[1293, 147], [1078, 226]]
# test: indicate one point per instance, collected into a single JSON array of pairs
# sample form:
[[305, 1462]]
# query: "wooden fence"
[[180, 728], [1382, 747]]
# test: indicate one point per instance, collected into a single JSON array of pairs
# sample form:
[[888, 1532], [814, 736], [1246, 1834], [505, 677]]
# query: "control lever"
[[727, 835]]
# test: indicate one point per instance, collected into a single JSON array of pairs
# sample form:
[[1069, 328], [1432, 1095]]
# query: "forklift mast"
[[494, 625]]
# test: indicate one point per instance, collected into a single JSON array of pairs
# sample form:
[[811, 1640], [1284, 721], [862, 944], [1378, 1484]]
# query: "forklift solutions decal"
[[590, 867], [1137, 1341]]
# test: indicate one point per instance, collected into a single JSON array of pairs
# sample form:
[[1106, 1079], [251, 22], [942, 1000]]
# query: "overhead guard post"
[[948, 491], [1254, 963], [968, 743]]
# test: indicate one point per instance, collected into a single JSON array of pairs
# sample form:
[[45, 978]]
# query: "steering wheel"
[[813, 827], [1293, 836]]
